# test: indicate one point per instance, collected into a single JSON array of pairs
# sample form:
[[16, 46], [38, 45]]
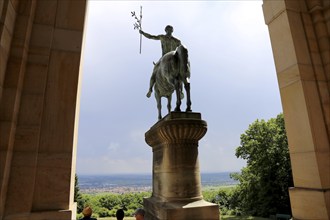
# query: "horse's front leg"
[[178, 96], [187, 88]]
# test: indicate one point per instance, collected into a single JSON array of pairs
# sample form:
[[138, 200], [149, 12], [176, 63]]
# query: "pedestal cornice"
[[177, 127]]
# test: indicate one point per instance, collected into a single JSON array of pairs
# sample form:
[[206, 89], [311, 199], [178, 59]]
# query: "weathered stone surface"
[[176, 188], [41, 46], [298, 30], [195, 210], [303, 198]]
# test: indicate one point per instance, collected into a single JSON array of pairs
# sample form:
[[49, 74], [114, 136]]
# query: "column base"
[[157, 209], [310, 203], [46, 215]]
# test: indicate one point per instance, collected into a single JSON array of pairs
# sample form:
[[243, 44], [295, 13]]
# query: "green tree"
[[77, 196], [264, 182], [110, 201]]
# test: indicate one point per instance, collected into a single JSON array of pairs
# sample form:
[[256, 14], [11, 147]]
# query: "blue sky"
[[233, 80]]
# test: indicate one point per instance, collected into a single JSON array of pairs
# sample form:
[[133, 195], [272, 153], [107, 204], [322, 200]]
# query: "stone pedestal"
[[176, 184]]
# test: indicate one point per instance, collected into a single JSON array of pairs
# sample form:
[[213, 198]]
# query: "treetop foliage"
[[264, 182]]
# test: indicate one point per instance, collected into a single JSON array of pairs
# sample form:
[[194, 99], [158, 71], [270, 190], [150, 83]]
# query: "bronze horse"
[[171, 72]]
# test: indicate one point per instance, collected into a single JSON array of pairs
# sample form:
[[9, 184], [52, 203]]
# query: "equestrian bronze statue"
[[172, 71]]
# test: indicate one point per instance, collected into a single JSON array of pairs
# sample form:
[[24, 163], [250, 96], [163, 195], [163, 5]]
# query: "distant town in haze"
[[128, 183]]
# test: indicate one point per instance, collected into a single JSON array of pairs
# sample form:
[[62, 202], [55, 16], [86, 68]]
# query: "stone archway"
[[41, 43]]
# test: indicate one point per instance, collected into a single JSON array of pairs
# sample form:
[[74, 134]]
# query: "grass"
[[225, 217], [216, 188], [113, 218], [231, 217]]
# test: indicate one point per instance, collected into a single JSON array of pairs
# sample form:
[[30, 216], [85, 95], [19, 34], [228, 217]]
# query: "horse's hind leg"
[[159, 106], [169, 100], [178, 96], [187, 88]]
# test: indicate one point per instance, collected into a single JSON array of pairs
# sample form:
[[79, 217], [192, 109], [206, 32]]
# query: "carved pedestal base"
[[198, 210], [176, 185]]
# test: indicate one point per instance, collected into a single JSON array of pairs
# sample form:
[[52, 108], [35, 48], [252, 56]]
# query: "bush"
[[106, 204], [79, 216], [222, 197], [103, 212]]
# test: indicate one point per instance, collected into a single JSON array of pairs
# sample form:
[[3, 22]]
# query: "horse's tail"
[[182, 53], [181, 94], [188, 69]]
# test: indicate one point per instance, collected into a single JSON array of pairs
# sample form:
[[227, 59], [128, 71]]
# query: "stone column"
[[299, 32], [40, 51], [176, 184]]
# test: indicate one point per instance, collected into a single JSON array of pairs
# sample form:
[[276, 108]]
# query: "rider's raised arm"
[[153, 37]]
